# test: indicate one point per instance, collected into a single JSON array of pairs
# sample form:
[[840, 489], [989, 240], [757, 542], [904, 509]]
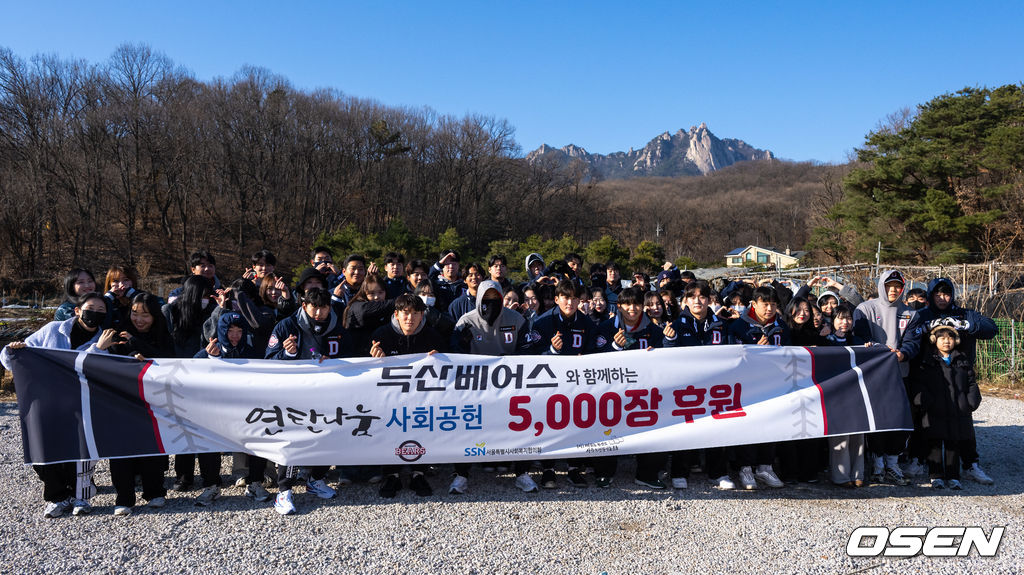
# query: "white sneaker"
[[283, 504], [976, 473], [725, 482], [459, 485], [914, 468], [526, 483], [257, 492], [121, 511], [207, 497], [57, 508], [767, 476], [320, 488], [82, 507], [747, 478], [240, 482], [679, 483], [156, 502]]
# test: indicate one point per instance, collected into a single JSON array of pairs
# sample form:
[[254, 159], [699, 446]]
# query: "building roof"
[[792, 254]]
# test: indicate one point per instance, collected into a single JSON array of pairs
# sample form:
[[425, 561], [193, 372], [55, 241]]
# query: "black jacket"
[[946, 394], [394, 342], [362, 318]]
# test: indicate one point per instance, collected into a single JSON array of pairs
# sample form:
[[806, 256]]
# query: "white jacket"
[[54, 335]]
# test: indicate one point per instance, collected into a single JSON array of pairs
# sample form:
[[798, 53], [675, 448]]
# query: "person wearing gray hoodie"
[[887, 320], [491, 329]]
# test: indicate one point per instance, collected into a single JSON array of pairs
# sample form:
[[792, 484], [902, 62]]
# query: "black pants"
[[58, 480], [123, 472], [755, 454], [61, 480], [573, 463], [716, 462], [944, 459], [209, 467], [802, 459], [969, 450], [648, 465], [286, 474], [887, 442], [257, 469]]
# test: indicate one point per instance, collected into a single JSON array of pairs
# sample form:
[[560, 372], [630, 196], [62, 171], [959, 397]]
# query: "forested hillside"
[[134, 161]]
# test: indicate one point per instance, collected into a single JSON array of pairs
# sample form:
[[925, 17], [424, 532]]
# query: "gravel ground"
[[495, 528]]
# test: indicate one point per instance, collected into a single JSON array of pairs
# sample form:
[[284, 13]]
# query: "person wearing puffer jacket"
[[887, 320], [971, 326], [231, 342], [945, 388], [68, 485]]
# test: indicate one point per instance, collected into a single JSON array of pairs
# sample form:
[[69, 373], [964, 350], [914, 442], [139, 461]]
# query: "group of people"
[[354, 310]]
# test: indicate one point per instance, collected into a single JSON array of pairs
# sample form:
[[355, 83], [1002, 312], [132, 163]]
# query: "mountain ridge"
[[686, 153]]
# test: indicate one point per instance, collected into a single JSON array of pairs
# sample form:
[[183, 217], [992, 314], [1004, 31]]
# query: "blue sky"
[[806, 80]]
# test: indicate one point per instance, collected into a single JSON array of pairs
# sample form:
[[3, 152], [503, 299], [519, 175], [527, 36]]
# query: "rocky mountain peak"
[[685, 153]]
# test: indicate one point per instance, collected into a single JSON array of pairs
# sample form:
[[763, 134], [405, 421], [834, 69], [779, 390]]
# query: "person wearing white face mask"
[[69, 485], [436, 318]]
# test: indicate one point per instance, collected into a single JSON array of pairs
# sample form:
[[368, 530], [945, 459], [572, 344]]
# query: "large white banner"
[[452, 408]]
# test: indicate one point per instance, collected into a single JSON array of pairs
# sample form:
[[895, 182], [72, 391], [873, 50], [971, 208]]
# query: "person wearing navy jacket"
[[760, 325], [395, 282], [313, 332], [564, 330], [631, 329], [445, 277], [231, 342], [971, 326], [698, 325]]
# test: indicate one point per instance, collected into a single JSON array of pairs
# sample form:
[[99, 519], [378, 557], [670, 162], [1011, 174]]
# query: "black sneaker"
[[547, 479], [184, 483], [391, 486], [603, 482], [577, 478], [420, 486]]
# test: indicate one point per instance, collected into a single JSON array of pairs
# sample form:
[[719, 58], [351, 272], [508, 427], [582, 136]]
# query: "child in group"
[[231, 343], [846, 452], [944, 386]]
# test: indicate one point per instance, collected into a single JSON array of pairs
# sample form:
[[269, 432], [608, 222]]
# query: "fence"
[[995, 289], [1001, 356]]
